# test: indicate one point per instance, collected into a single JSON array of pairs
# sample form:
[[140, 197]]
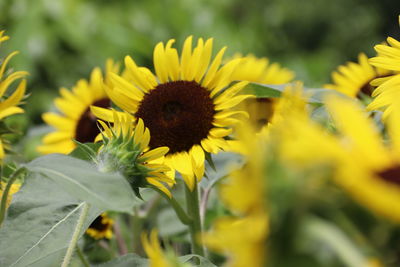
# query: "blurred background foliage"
[[61, 41]]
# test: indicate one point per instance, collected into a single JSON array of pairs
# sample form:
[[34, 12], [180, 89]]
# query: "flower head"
[[353, 79], [157, 257], [370, 169], [125, 149], [101, 227], [186, 105], [261, 70], [242, 238], [76, 122], [9, 103]]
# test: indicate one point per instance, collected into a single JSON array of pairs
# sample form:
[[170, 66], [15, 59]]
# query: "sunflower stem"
[[75, 235], [195, 227], [180, 212], [3, 204], [137, 227], [82, 257]]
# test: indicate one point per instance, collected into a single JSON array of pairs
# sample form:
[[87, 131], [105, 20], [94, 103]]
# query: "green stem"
[[137, 227], [182, 215], [75, 235], [195, 227], [3, 205], [82, 257]]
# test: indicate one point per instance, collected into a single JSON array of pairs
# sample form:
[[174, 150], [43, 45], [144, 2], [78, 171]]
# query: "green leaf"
[[203, 262], [40, 223], [264, 90], [44, 213], [127, 260], [85, 151], [81, 179], [168, 223], [313, 95]]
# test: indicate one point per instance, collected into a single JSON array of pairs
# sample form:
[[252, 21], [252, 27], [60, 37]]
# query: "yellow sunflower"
[[370, 171], [101, 227], [388, 90], [76, 120], [353, 79], [157, 256], [242, 238], [186, 105], [260, 70], [126, 149], [9, 104]]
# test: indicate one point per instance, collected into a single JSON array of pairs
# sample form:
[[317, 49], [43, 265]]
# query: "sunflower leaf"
[[44, 213], [196, 260], [40, 223], [81, 179], [312, 95], [127, 261], [264, 90]]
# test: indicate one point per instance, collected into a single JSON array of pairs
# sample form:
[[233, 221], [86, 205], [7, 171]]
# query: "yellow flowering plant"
[[232, 161]]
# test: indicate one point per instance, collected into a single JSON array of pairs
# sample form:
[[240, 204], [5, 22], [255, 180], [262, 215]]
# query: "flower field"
[[180, 133]]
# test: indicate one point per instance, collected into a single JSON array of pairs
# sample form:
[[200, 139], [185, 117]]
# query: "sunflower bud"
[[125, 150]]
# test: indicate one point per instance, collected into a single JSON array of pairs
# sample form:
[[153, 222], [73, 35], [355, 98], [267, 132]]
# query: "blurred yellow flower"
[[301, 141], [353, 79], [76, 120], [153, 250], [260, 70], [14, 189], [9, 104], [186, 105], [370, 169], [242, 238], [101, 227]]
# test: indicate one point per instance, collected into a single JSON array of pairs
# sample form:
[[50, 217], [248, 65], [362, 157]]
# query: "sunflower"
[[126, 149], [101, 227], [157, 257], [388, 90], [186, 105], [242, 238], [76, 120], [353, 79], [9, 104], [370, 171], [260, 70]]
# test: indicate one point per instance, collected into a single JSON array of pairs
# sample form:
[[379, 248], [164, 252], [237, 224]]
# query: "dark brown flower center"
[[98, 224], [260, 111], [178, 114], [367, 89], [391, 175], [86, 128]]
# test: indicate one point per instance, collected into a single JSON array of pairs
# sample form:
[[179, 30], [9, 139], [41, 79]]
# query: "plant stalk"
[[182, 215], [75, 235], [82, 257], [195, 227]]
